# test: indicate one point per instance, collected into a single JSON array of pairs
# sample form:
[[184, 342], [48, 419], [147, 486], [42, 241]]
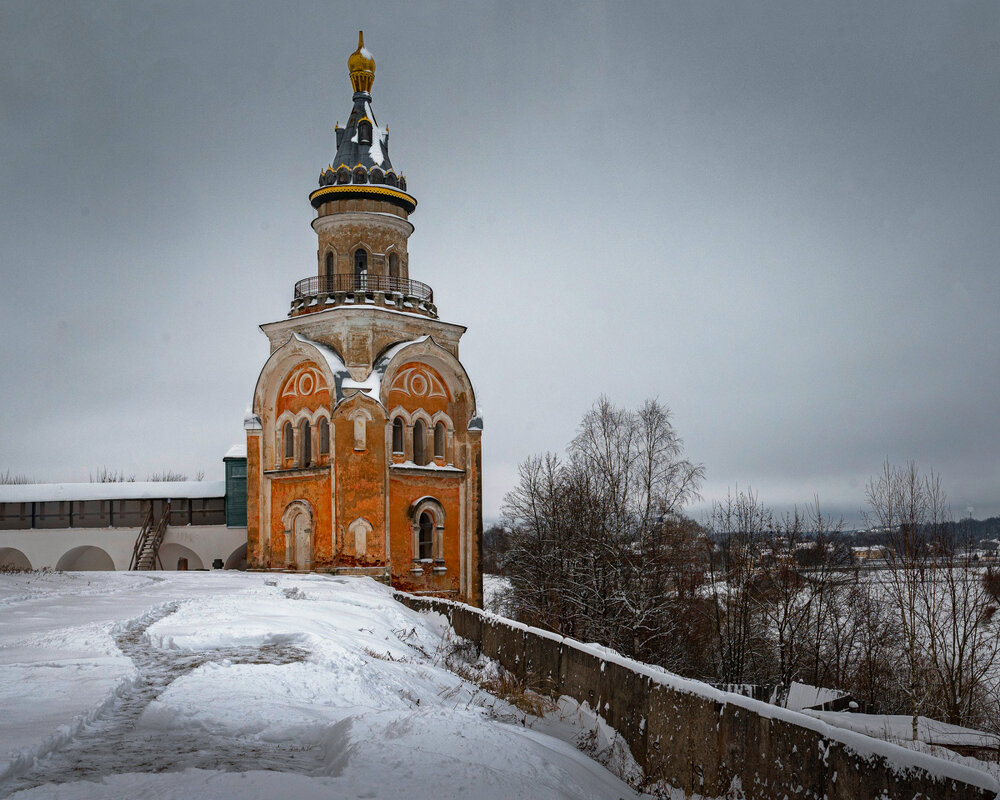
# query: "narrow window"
[[360, 433], [393, 267], [306, 431], [364, 132], [397, 435], [426, 536], [329, 272], [439, 440], [418, 443], [289, 436], [360, 268], [324, 436]]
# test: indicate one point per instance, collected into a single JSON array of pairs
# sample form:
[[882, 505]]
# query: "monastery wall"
[[111, 548], [705, 741]]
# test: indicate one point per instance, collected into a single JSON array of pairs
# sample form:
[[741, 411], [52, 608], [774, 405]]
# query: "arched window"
[[305, 430], [364, 132], [426, 541], [289, 436], [329, 271], [393, 266], [397, 435], [360, 268], [439, 440], [418, 443], [324, 436]]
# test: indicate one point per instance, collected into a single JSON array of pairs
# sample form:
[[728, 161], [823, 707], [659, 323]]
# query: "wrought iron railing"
[[328, 284]]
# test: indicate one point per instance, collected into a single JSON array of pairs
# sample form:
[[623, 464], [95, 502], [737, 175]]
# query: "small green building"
[[236, 486]]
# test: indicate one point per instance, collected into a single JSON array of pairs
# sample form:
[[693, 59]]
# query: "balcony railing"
[[329, 284]]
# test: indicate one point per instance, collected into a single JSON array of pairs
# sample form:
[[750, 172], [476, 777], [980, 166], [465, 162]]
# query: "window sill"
[[294, 472]]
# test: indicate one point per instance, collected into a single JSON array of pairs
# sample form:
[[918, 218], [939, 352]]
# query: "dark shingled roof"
[[353, 150]]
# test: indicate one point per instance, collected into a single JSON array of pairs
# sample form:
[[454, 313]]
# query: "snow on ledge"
[[236, 451], [136, 490], [404, 465], [899, 758]]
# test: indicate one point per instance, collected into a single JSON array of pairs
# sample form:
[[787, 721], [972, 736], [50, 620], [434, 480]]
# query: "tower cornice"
[[332, 221], [348, 191]]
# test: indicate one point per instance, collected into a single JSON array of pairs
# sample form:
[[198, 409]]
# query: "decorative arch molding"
[[425, 350], [329, 260], [295, 420], [423, 416], [441, 416], [402, 413], [304, 381], [417, 380], [283, 361], [297, 521], [362, 245], [318, 414], [370, 254], [359, 532], [432, 507], [279, 366], [360, 417]]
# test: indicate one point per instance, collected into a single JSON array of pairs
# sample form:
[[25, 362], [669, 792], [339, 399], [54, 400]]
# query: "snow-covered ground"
[[178, 685], [495, 587]]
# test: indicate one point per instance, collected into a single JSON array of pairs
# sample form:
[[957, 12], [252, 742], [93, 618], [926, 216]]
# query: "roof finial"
[[361, 66]]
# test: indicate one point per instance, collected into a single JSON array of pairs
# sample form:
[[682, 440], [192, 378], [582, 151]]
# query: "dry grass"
[[386, 656]]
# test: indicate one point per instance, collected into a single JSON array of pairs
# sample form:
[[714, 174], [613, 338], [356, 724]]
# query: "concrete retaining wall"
[[703, 740]]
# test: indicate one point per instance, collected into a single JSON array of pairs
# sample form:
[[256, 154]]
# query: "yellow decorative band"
[[356, 188]]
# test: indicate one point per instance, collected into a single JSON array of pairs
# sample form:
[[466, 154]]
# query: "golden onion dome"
[[361, 65]]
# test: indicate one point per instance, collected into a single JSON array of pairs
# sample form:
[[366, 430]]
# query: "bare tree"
[[740, 525], [962, 646], [589, 536], [167, 475], [105, 475], [898, 503]]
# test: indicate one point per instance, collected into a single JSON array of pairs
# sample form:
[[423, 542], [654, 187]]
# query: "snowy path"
[[230, 685], [113, 743]]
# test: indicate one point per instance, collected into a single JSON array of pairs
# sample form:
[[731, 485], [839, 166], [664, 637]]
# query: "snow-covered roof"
[[342, 379], [136, 490], [383, 361], [236, 451], [802, 696]]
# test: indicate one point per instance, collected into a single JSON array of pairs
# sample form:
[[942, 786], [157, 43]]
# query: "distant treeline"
[[972, 531]]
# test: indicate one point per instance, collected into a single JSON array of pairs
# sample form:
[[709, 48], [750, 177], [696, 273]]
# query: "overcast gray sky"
[[782, 220]]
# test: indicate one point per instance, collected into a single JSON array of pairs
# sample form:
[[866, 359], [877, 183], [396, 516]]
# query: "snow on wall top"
[[899, 758], [236, 451], [136, 490], [383, 361]]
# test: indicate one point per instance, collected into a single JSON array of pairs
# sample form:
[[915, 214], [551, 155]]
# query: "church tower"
[[364, 441]]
